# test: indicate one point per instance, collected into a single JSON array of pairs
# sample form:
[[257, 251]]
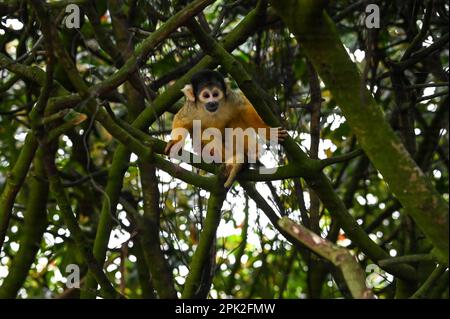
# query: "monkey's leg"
[[252, 119], [233, 171]]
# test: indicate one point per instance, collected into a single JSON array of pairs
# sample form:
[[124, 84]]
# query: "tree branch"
[[340, 257], [317, 33]]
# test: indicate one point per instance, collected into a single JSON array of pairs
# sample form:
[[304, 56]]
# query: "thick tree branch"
[[203, 250], [35, 222], [317, 34], [340, 257]]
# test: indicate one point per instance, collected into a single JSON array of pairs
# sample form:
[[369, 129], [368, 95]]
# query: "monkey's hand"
[[282, 134]]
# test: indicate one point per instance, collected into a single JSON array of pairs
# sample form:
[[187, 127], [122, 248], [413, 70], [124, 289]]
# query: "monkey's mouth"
[[212, 107]]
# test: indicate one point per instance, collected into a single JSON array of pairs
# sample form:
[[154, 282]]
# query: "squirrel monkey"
[[213, 103]]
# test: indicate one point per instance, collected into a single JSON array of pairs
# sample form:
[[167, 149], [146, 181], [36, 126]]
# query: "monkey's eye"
[[215, 94], [206, 95]]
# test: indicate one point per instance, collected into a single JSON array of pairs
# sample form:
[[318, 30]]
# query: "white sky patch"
[[180, 280], [117, 238], [371, 199], [14, 246], [428, 41], [183, 270], [437, 173], [20, 136], [306, 199], [361, 200], [335, 120], [326, 144], [227, 229], [3, 271], [359, 55], [67, 140], [123, 218], [345, 242], [41, 264], [269, 158], [111, 268], [231, 258], [133, 158], [429, 90], [49, 239], [14, 24]]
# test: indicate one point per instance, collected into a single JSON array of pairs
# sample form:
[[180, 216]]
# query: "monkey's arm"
[[182, 124], [252, 119]]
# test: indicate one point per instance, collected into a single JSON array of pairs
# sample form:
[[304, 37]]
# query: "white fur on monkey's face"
[[210, 94], [206, 94], [210, 97]]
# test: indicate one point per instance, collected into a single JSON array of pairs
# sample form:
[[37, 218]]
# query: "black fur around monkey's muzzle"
[[212, 106]]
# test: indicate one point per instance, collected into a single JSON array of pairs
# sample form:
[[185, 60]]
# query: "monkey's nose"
[[212, 106]]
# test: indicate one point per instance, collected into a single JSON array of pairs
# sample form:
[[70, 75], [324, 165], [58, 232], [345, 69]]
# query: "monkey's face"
[[207, 90], [210, 98]]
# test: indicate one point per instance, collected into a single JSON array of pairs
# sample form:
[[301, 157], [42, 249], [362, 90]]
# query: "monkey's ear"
[[228, 86], [188, 92]]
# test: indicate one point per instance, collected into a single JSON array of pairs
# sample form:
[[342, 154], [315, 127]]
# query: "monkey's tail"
[[235, 168]]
